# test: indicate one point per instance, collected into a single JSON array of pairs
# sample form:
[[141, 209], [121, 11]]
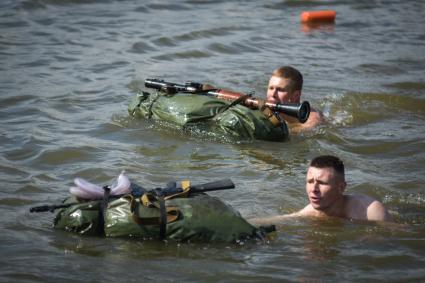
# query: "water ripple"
[[183, 55], [141, 47], [164, 41], [169, 7]]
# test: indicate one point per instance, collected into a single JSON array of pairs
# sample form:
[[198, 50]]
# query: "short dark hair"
[[329, 161], [291, 73]]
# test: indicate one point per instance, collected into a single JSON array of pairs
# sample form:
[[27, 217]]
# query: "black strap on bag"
[[103, 207], [150, 112], [233, 103], [154, 199], [237, 101]]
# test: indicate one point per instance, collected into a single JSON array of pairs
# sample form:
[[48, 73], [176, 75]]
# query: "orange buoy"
[[318, 16]]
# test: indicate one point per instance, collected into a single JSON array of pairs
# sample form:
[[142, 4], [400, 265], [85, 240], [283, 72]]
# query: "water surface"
[[69, 68]]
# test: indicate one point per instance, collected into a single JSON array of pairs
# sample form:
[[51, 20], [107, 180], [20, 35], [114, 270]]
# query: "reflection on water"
[[69, 69], [317, 27]]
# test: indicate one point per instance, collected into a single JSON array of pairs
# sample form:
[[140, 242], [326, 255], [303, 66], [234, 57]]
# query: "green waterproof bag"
[[199, 217], [183, 110], [82, 217]]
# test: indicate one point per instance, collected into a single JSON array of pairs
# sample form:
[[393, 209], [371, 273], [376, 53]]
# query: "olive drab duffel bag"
[[185, 110], [179, 212]]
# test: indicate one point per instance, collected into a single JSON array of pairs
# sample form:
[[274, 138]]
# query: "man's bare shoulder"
[[363, 207], [315, 119]]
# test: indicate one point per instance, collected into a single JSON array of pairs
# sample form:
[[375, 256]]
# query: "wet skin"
[[325, 189], [279, 91]]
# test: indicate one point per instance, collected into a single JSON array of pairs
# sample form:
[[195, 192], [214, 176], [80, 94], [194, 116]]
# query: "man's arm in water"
[[316, 118], [276, 219]]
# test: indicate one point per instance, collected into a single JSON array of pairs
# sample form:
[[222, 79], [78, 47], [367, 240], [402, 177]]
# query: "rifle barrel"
[[213, 186], [173, 87], [207, 187]]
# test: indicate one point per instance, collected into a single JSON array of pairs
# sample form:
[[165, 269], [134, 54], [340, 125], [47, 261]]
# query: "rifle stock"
[[301, 111]]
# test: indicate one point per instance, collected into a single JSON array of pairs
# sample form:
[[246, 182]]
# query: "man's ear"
[[296, 96], [342, 186]]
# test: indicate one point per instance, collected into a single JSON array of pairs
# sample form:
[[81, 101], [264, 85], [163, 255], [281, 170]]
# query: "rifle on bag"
[[301, 111], [171, 189]]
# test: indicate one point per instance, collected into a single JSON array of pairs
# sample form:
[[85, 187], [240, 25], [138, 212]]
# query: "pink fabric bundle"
[[86, 190]]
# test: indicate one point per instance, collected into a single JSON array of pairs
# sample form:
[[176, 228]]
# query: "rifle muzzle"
[[301, 111], [154, 83]]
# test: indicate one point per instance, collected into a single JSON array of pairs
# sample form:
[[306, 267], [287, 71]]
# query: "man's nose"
[[316, 187]]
